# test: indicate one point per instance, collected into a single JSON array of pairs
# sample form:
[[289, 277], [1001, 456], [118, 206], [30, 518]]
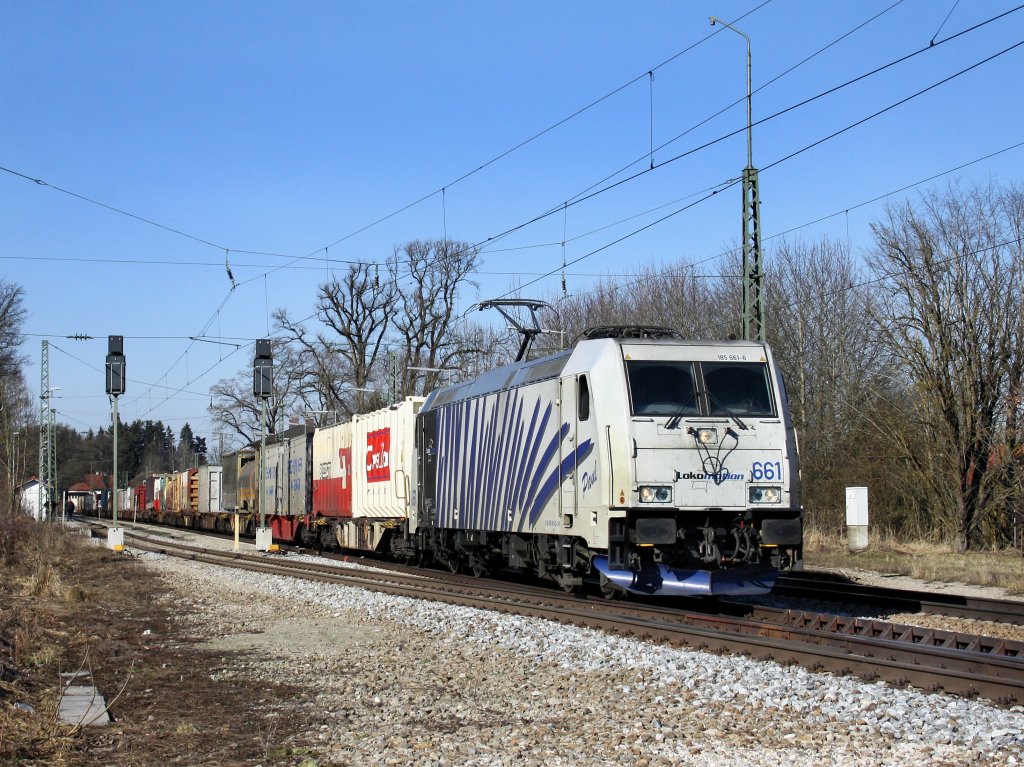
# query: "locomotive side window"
[[583, 400], [662, 388], [738, 388]]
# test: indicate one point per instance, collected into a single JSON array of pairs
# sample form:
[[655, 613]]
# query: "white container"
[[210, 489], [382, 453]]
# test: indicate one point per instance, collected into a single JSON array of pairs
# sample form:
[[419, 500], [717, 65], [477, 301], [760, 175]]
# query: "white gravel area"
[[940, 622], [397, 681]]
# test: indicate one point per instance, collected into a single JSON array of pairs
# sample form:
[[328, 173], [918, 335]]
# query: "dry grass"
[[66, 606], [31, 578], [927, 561]]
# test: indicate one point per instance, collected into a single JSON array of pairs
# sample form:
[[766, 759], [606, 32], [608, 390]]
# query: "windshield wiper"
[[715, 401], [673, 421]]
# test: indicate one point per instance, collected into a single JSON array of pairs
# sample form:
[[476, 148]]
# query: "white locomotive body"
[[651, 465]]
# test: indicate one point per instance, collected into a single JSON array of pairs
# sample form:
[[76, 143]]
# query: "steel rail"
[[954, 668], [953, 605]]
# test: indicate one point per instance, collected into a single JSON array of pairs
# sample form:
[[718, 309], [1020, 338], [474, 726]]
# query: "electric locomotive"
[[637, 460]]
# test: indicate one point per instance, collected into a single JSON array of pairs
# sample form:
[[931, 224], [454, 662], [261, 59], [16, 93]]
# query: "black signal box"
[[115, 367], [263, 370]]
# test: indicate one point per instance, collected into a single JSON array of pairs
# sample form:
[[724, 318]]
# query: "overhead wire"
[[783, 159], [740, 100], [101, 371], [525, 142], [536, 136], [591, 193], [549, 128], [193, 340], [776, 235], [897, 104], [572, 200], [492, 239], [945, 20], [729, 183]]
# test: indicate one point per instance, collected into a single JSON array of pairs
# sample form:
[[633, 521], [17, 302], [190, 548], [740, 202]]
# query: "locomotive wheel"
[[569, 583], [479, 570], [611, 591]]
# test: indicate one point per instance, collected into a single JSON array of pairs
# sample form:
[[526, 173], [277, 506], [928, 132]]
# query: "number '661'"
[[767, 470]]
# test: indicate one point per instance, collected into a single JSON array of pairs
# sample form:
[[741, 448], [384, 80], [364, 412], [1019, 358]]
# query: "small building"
[[28, 496], [92, 493]]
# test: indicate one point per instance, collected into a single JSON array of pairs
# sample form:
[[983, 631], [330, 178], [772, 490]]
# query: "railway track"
[[953, 605], [960, 664]]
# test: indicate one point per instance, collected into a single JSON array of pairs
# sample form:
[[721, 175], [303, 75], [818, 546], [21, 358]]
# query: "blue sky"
[[283, 128]]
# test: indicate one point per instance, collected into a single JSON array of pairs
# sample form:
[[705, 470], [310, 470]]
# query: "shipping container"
[[234, 466], [381, 487], [210, 481], [332, 471]]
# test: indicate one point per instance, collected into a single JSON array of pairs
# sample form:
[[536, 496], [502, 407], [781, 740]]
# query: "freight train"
[[638, 462]]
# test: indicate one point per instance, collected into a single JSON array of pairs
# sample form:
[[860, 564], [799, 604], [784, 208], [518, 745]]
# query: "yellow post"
[[235, 521]]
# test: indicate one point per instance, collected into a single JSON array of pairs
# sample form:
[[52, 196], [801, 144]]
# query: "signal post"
[[115, 375], [262, 387]]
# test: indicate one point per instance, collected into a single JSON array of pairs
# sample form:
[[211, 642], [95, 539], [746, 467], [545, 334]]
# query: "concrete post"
[[857, 518]]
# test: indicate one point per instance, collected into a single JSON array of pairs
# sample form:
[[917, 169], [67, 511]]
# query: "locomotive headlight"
[[705, 436], [762, 494], [655, 493]]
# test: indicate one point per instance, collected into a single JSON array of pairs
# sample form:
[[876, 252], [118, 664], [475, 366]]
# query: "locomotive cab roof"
[[631, 332], [552, 365]]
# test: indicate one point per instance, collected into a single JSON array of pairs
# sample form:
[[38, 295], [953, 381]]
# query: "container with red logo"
[[383, 440], [332, 471], [361, 468]]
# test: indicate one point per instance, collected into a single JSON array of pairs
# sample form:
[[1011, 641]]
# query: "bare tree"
[[838, 377], [12, 317], [357, 309], [324, 382], [334, 364], [237, 410], [19, 437], [428, 275], [15, 411], [952, 270], [234, 408]]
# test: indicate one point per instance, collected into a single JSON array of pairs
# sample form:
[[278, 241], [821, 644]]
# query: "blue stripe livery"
[[498, 462]]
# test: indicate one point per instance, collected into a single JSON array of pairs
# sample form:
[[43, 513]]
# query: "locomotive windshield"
[[662, 388], [669, 388], [738, 388]]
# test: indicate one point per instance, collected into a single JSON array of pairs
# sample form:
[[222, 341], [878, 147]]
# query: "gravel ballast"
[[397, 681]]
